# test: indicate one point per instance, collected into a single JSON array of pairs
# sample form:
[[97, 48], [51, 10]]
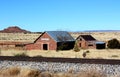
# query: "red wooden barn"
[[52, 40]]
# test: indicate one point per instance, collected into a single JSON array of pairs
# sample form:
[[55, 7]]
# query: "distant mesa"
[[102, 31], [14, 29]]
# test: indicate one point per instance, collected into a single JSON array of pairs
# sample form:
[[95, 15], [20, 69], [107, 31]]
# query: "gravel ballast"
[[110, 70]]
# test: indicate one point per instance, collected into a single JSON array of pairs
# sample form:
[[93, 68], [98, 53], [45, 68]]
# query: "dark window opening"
[[79, 44], [45, 46], [80, 39], [90, 45], [100, 46]]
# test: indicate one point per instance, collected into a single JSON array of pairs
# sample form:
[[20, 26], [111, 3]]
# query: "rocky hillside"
[[14, 29]]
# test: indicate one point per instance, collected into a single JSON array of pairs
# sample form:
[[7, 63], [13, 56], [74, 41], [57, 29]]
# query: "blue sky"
[[69, 15]]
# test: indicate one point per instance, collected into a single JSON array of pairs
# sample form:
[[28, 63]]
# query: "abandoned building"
[[12, 44], [89, 42], [52, 40], [86, 41], [55, 40]]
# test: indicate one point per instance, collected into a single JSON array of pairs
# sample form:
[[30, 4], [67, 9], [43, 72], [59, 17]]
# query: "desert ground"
[[27, 72], [93, 53], [100, 36], [18, 37], [30, 37]]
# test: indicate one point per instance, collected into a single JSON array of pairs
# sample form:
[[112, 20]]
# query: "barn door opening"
[[45, 46]]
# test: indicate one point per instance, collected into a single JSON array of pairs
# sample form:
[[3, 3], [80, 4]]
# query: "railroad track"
[[62, 60]]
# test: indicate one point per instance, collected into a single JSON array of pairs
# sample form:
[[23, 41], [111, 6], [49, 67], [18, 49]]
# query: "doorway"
[[45, 46]]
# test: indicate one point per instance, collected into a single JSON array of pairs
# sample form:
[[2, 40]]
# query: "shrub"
[[62, 47], [21, 54], [113, 44], [76, 47], [45, 74], [114, 56], [32, 73], [87, 51], [12, 71], [84, 54]]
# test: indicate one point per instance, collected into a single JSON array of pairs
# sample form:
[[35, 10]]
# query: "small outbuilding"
[[86, 42], [52, 40]]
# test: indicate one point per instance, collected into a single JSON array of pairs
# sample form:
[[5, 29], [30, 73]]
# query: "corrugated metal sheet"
[[60, 36], [100, 42]]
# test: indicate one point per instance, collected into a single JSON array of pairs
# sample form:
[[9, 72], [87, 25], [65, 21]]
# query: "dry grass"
[[29, 73], [18, 72], [30, 37], [26, 72], [93, 53], [13, 71], [101, 36], [18, 37]]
